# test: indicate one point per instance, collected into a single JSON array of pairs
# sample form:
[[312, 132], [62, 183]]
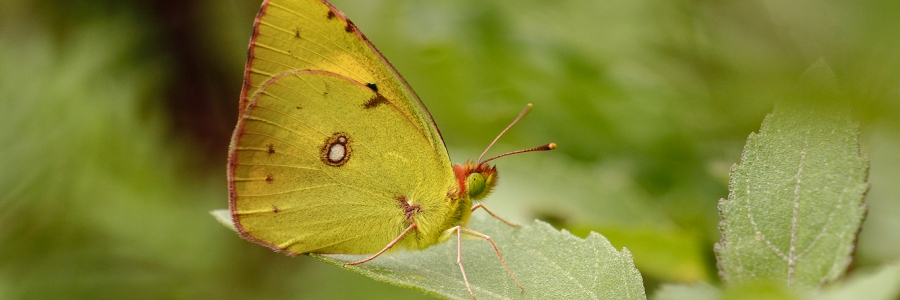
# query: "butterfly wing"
[[312, 34], [332, 149]]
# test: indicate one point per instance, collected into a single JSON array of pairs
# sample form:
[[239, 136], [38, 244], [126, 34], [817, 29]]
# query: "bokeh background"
[[116, 117]]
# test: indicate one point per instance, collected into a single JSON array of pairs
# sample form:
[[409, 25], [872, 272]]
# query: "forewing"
[[294, 35]]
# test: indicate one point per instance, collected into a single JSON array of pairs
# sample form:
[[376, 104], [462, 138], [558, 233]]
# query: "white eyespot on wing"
[[336, 149], [336, 152]]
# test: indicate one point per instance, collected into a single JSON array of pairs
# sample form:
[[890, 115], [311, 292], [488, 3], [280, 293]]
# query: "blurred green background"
[[117, 115]]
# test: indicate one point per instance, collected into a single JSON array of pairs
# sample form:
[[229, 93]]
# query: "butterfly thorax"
[[474, 182]]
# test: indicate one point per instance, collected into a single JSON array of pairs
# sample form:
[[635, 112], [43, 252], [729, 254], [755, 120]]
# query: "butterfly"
[[333, 152]]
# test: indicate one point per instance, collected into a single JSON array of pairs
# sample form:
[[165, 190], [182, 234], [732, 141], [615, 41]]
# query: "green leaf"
[[795, 201], [550, 264], [698, 291], [883, 284], [588, 269]]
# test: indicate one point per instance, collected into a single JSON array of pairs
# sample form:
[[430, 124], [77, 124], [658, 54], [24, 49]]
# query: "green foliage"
[[759, 290], [880, 284], [588, 268], [789, 224], [795, 204], [698, 291], [550, 265], [659, 252]]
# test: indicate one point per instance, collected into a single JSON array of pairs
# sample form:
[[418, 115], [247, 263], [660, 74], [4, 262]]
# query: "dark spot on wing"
[[331, 15], [270, 178], [349, 27], [297, 32], [409, 211], [372, 87], [375, 101], [271, 149]]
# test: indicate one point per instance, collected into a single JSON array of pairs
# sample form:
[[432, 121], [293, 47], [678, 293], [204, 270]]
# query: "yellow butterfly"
[[333, 151]]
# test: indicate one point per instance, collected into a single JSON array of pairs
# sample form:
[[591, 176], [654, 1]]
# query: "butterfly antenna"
[[546, 147], [524, 112]]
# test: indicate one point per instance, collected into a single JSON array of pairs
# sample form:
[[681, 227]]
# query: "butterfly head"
[[476, 180]]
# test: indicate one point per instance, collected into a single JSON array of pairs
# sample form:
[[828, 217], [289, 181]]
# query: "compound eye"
[[475, 185]]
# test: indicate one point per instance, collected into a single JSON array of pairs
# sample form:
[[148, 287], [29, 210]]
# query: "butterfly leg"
[[459, 259], [386, 248], [459, 231], [479, 205]]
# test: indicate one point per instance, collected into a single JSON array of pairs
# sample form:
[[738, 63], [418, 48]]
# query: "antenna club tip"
[[524, 111], [551, 146]]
